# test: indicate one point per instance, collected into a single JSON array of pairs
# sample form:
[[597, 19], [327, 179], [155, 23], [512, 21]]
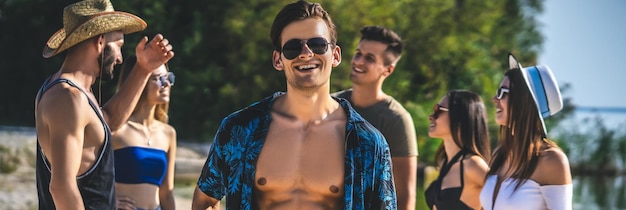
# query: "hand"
[[151, 55], [124, 203]]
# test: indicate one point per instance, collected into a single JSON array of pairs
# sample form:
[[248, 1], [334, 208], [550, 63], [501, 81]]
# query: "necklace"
[[147, 131], [148, 134]]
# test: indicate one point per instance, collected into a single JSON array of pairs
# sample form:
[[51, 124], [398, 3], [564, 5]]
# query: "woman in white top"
[[527, 170]]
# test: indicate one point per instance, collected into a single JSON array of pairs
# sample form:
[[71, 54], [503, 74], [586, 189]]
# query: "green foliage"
[[223, 52], [8, 160], [594, 148]]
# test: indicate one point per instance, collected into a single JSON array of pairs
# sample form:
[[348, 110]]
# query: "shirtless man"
[[74, 157], [301, 149]]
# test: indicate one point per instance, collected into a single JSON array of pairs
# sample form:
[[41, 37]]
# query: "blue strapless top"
[[137, 165]]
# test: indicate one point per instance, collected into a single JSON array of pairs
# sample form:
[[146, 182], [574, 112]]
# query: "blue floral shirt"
[[230, 166]]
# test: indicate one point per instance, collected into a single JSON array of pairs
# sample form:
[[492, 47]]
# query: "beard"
[[107, 63]]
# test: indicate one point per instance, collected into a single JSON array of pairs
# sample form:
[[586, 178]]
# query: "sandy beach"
[[17, 169]]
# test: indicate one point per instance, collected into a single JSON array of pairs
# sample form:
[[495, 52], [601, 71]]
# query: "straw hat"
[[89, 18], [543, 87]]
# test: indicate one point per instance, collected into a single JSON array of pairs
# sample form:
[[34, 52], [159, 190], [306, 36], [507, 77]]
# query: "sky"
[[585, 46]]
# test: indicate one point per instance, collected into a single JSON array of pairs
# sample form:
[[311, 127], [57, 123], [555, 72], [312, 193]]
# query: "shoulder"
[[345, 94], [63, 99], [356, 123], [169, 130], [119, 135], [64, 94], [250, 113], [475, 168], [552, 167], [395, 107]]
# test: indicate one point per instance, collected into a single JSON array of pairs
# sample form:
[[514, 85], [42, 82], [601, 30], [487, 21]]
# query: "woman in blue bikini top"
[[460, 121], [145, 147]]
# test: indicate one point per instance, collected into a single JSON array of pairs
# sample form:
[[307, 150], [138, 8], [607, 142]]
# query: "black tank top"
[[97, 185], [449, 198]]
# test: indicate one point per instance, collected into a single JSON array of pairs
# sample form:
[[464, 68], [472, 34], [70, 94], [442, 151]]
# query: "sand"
[[18, 189]]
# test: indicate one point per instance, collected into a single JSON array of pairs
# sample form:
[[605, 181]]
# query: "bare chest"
[[302, 163]]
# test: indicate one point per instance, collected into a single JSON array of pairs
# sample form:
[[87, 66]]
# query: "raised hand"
[[151, 55]]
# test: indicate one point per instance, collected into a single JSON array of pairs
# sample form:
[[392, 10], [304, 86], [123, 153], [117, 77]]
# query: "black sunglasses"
[[169, 77], [437, 109], [500, 92], [293, 47]]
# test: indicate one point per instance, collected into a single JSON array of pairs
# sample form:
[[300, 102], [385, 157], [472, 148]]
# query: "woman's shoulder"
[[552, 167], [168, 127], [475, 168]]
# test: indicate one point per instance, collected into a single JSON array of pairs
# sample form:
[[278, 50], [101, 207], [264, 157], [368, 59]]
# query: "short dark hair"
[[296, 11], [386, 36]]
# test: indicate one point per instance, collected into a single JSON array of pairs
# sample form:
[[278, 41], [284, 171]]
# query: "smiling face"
[[502, 105], [440, 121], [308, 70], [368, 63]]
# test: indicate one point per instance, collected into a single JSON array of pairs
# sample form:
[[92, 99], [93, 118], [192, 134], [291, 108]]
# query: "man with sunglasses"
[[301, 149], [374, 60]]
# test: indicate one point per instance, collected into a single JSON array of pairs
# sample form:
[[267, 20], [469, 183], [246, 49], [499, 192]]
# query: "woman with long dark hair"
[[528, 171], [460, 121]]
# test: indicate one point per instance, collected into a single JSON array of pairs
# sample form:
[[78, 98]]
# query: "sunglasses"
[[293, 47], [437, 109], [500, 92], [169, 77]]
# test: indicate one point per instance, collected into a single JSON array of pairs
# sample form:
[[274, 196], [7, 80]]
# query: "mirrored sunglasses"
[[501, 91], [437, 109], [293, 47], [169, 77]]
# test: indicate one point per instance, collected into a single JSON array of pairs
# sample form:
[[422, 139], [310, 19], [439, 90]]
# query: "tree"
[[223, 52]]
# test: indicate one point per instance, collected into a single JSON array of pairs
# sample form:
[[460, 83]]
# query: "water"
[[602, 192], [585, 118]]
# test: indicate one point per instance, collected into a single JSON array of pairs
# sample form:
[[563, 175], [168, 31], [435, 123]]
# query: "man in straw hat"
[[74, 156]]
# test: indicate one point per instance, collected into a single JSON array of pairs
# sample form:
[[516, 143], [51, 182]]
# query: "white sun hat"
[[543, 87]]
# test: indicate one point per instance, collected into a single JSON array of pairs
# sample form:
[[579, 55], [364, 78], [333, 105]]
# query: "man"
[[375, 59], [74, 157], [301, 149]]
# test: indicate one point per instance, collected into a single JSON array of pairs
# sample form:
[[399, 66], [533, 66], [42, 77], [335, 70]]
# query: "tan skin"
[[367, 75], [553, 165], [141, 127], [301, 163], [475, 168], [68, 130]]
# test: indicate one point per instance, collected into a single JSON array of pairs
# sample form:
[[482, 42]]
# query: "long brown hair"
[[522, 138], [468, 124], [161, 110]]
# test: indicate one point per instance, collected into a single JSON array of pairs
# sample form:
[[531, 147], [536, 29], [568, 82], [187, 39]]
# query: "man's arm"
[[150, 55], [403, 144], [66, 118], [202, 201], [405, 179]]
